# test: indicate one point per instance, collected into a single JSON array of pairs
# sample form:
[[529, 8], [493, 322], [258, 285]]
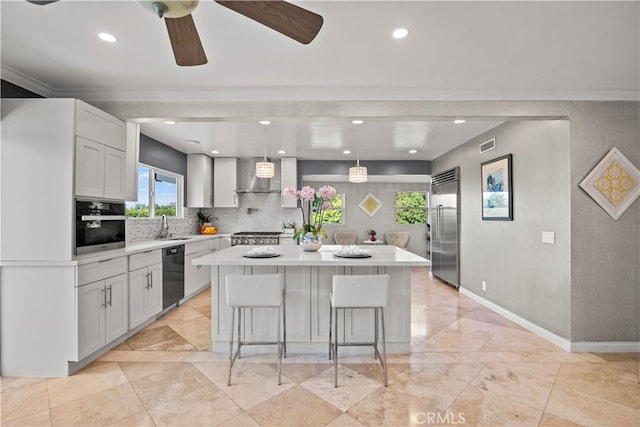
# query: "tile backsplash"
[[148, 229]]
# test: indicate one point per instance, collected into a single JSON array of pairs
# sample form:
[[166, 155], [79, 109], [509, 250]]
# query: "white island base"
[[307, 281]]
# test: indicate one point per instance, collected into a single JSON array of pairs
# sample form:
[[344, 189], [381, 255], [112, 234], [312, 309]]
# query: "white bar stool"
[[358, 292], [258, 291]]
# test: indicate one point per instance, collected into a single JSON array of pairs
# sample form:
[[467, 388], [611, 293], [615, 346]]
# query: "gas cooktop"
[[257, 233]]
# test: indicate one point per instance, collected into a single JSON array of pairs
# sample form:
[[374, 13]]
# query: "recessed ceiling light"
[[459, 121], [400, 33], [346, 152], [282, 152], [265, 122], [413, 151], [215, 152], [169, 122], [110, 38], [357, 122]]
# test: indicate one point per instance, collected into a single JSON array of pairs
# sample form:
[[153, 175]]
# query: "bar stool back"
[[257, 291], [368, 291]]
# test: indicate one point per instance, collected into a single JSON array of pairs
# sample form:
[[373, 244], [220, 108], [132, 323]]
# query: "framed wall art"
[[614, 183], [497, 191], [370, 204]]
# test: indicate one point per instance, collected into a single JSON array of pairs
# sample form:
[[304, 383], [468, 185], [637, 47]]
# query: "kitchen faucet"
[[164, 227]]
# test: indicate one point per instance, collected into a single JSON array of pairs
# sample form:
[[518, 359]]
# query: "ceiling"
[[471, 51]]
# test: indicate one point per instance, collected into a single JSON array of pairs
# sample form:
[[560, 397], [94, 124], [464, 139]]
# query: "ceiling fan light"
[[358, 174], [265, 169]]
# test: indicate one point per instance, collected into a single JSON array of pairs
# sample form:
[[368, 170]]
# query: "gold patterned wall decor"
[[614, 183], [370, 204]]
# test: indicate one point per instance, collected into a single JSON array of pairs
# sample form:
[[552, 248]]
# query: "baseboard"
[[554, 339], [606, 347]]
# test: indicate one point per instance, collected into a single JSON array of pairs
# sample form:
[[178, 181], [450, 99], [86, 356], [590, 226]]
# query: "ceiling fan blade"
[[293, 21], [42, 2], [185, 41]]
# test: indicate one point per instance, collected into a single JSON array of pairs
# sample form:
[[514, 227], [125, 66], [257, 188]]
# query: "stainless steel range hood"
[[248, 181]]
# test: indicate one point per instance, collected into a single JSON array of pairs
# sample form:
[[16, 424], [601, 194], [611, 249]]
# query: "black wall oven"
[[99, 226]]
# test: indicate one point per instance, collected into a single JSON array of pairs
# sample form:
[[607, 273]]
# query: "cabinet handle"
[[104, 298], [150, 280], [110, 296]]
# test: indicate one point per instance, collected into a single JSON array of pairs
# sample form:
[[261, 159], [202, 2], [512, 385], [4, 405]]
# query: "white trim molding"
[[554, 339], [563, 343]]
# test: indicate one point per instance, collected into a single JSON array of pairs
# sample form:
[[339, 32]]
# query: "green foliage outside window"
[[411, 207], [334, 216], [140, 210]]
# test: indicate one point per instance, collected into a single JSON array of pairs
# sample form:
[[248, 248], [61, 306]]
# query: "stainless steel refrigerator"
[[445, 226]]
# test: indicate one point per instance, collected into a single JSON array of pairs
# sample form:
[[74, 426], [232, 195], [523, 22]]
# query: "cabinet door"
[[116, 311], [153, 304], [138, 283], [225, 180], [89, 168], [115, 184], [195, 276], [91, 318], [199, 181], [131, 165], [98, 126], [288, 178]]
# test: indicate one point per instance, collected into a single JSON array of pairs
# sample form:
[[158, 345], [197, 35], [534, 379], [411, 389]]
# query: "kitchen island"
[[307, 280]]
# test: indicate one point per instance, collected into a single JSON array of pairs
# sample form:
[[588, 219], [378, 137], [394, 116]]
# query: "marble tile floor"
[[468, 366]]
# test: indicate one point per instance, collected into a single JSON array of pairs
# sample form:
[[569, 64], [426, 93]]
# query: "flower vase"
[[310, 243]]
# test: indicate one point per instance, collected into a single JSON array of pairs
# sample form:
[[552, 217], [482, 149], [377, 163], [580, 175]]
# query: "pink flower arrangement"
[[313, 205]]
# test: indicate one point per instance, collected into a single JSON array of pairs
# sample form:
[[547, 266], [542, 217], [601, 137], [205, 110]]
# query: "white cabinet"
[[100, 170], [145, 286], [98, 126], [225, 182], [101, 304], [132, 156], [224, 242], [288, 178], [199, 181], [197, 277]]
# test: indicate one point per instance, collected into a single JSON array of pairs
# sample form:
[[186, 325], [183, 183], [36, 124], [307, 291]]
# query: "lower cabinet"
[[196, 277], [145, 286], [102, 313]]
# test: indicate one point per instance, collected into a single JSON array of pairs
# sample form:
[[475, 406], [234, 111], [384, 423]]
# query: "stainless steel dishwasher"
[[172, 275]]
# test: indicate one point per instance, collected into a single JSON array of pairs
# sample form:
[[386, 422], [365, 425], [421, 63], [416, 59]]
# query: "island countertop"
[[293, 255]]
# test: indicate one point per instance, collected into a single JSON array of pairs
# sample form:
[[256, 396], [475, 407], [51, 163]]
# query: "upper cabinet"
[[133, 156], [288, 178], [225, 182], [98, 126], [199, 181], [103, 169]]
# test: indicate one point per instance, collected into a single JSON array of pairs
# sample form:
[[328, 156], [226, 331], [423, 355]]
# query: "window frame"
[[406, 208], [153, 170]]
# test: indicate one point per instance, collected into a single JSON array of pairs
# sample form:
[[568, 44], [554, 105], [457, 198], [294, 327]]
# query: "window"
[[159, 193], [411, 207], [335, 215]]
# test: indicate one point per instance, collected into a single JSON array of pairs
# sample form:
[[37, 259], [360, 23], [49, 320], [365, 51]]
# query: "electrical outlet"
[[484, 285]]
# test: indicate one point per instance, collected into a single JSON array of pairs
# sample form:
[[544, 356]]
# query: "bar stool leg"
[[284, 321], [240, 309], [384, 347], [280, 348], [335, 348], [330, 326], [233, 315], [375, 333]]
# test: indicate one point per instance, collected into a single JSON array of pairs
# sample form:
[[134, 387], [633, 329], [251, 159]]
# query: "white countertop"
[[293, 255]]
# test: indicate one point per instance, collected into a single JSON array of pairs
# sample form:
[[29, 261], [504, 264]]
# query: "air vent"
[[447, 176], [488, 146]]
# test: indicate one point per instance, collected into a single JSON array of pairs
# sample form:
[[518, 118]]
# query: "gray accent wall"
[[155, 153], [527, 277]]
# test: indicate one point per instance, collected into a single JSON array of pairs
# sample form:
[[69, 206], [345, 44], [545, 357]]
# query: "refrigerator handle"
[[441, 232]]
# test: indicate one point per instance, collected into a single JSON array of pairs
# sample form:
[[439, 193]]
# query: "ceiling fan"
[[293, 21]]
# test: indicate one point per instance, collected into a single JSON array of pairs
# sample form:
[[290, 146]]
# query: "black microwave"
[[100, 225]]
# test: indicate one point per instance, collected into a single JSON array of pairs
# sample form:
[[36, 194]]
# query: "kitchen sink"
[[179, 238]]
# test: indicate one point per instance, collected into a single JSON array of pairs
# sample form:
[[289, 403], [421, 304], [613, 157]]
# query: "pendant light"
[[265, 168], [357, 174]]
